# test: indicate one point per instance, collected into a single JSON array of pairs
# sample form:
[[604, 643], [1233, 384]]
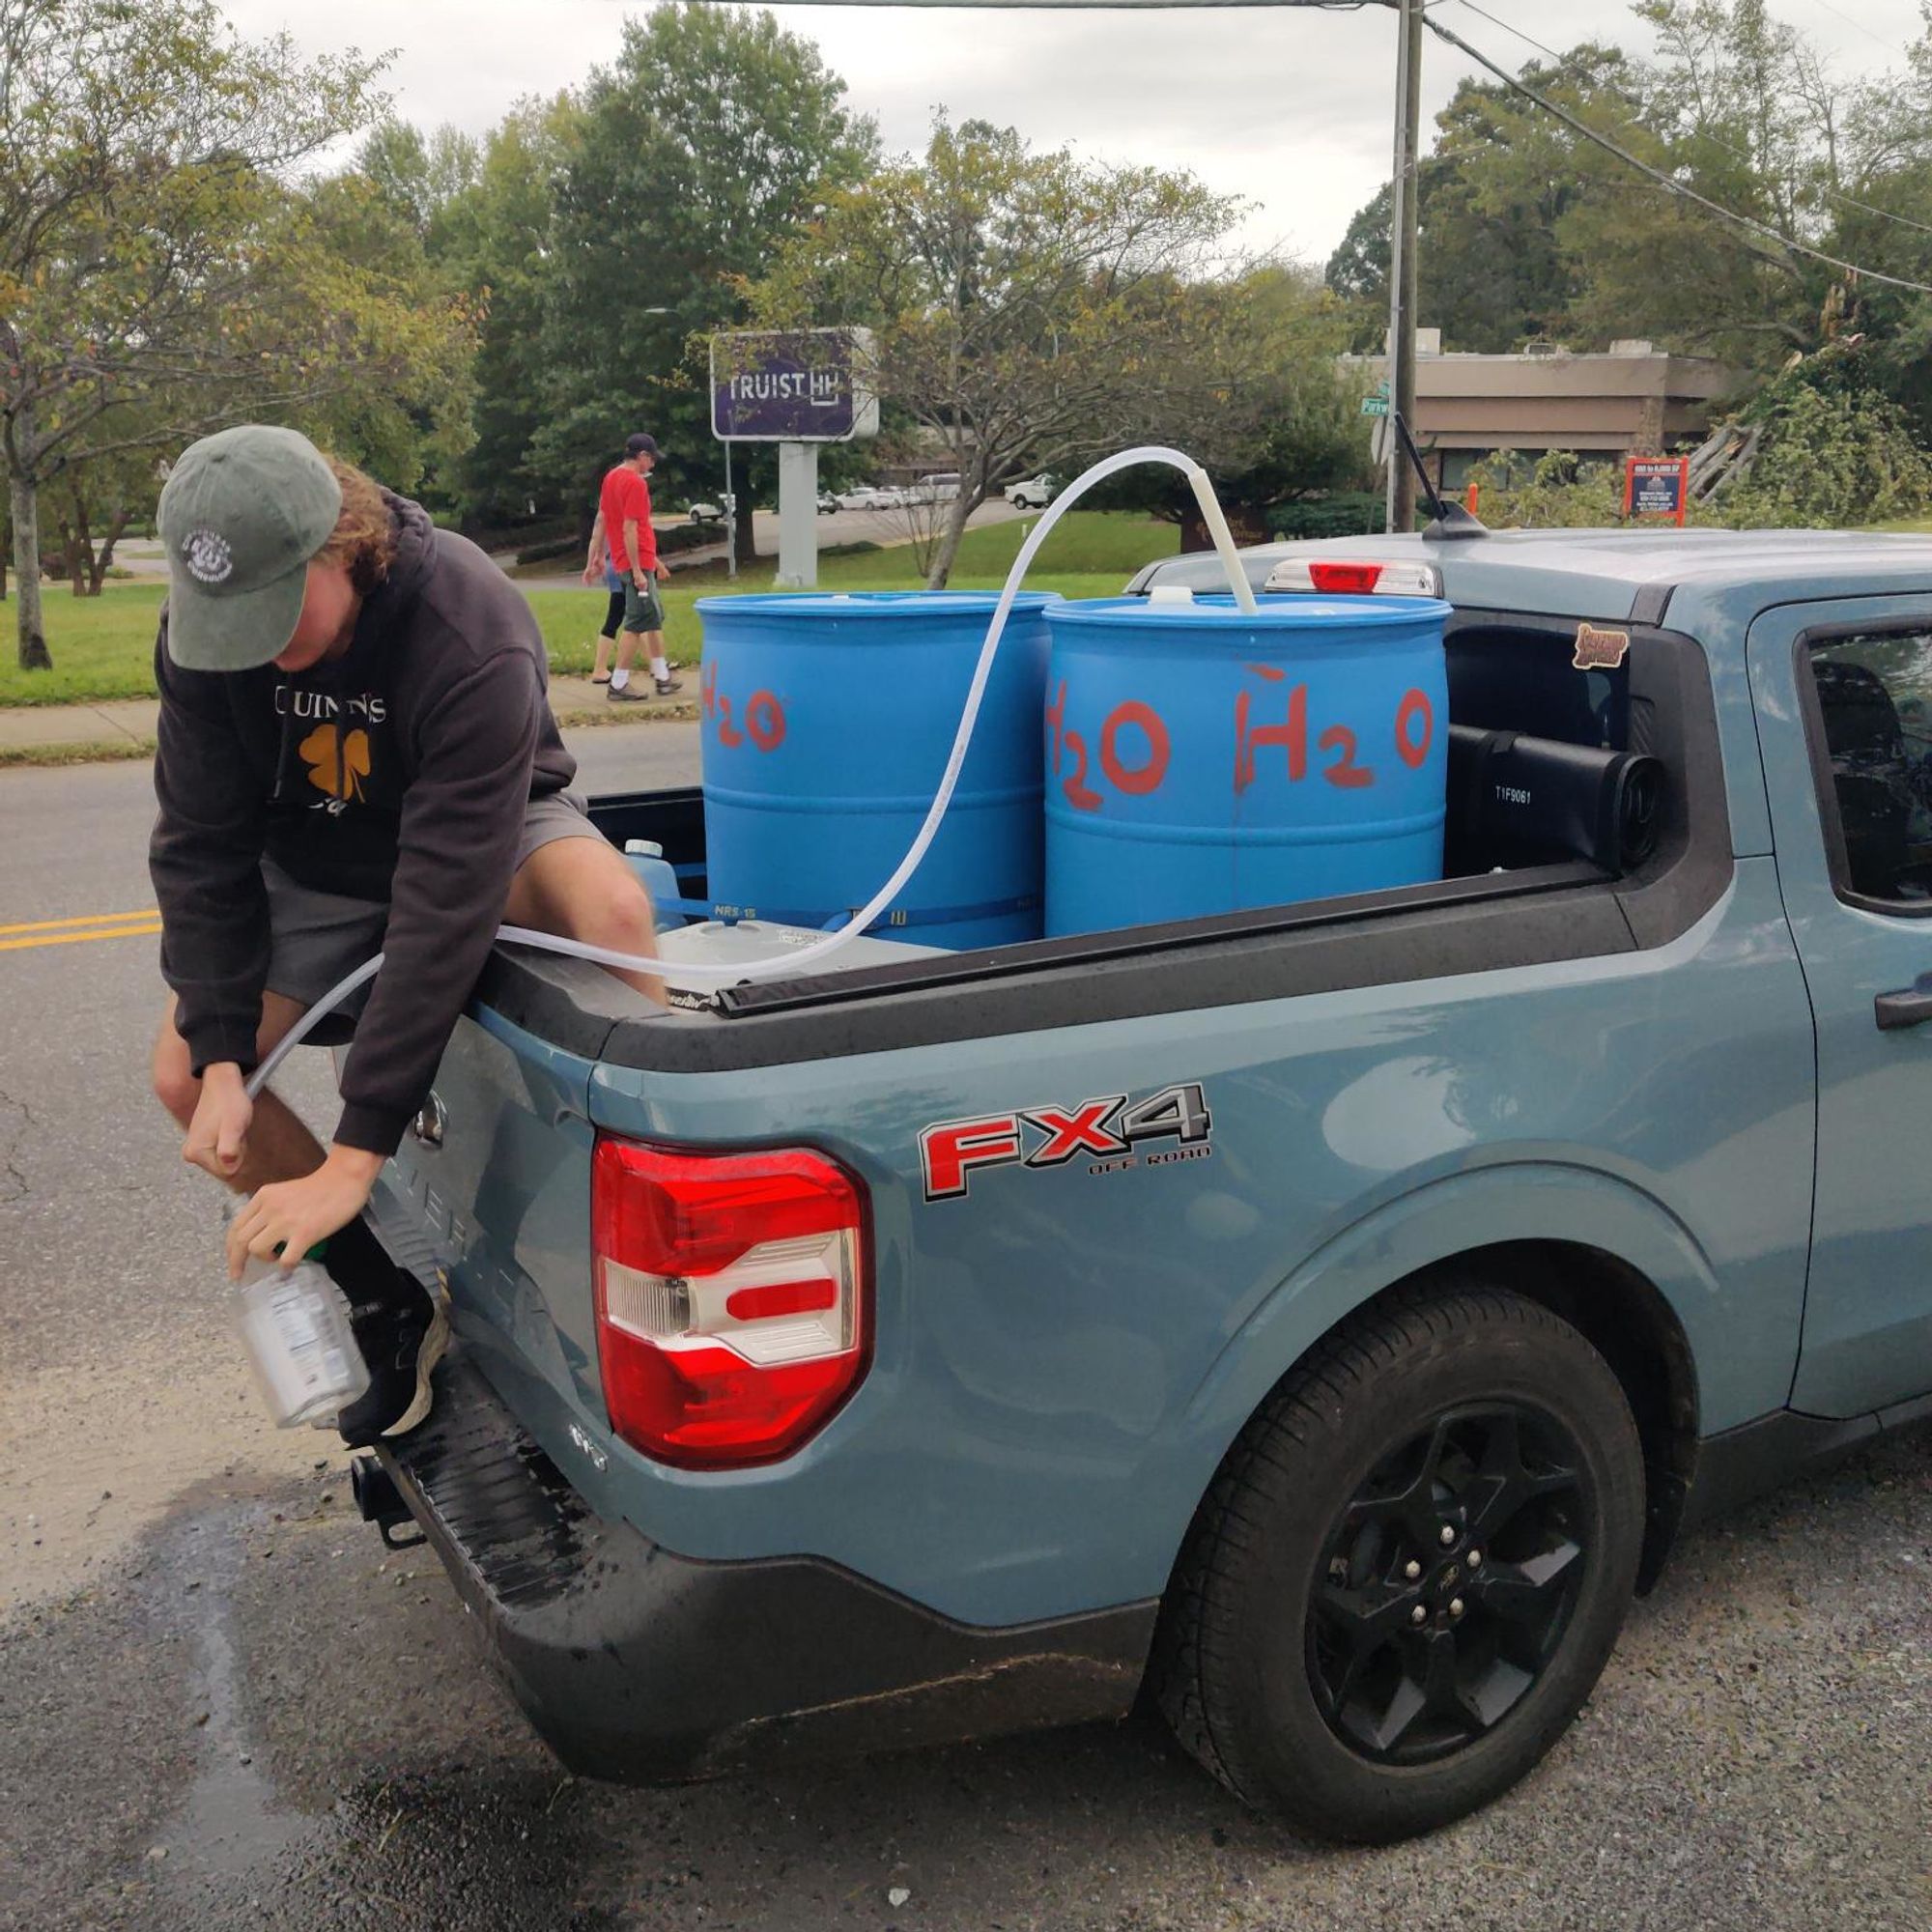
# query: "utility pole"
[[1402, 260]]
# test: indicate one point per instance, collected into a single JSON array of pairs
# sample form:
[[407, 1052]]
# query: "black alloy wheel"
[[1410, 1568], [1448, 1583]]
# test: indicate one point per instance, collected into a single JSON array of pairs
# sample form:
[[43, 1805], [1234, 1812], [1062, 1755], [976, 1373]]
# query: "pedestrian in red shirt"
[[625, 505]]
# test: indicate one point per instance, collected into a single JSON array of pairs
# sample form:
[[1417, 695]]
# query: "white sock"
[[660, 669], [619, 679]]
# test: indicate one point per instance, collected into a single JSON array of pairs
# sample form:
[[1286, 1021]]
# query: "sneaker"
[[629, 695], [667, 685], [402, 1337], [605, 679]]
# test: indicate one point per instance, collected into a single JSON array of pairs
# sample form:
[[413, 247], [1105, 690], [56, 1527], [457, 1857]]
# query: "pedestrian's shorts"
[[643, 612], [316, 939]]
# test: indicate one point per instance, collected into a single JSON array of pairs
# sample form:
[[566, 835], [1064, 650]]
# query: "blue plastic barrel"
[[826, 722], [1199, 760]]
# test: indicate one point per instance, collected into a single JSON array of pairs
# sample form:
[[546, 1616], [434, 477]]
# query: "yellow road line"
[[85, 918], [79, 938]]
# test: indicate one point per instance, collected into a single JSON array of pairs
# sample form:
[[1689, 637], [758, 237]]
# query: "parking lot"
[[224, 1703]]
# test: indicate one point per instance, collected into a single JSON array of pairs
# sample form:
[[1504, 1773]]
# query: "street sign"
[[1376, 402], [796, 386], [1657, 486]]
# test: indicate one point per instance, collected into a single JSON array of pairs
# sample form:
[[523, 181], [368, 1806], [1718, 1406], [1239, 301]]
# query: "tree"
[[1284, 422], [707, 140], [1530, 228], [1489, 270], [495, 239], [1025, 307], [162, 270], [419, 178]]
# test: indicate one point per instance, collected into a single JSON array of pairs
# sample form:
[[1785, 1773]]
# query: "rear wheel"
[[1411, 1569]]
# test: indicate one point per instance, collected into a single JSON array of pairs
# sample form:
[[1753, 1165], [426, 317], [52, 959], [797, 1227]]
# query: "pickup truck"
[[1316, 1321]]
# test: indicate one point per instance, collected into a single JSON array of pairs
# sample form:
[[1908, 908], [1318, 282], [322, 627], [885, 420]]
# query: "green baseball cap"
[[241, 514]]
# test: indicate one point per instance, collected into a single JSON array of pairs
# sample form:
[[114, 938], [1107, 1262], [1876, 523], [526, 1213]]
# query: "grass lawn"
[[103, 646]]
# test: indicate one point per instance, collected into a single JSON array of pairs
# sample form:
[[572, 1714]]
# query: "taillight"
[[1345, 580], [1356, 577], [730, 1306]]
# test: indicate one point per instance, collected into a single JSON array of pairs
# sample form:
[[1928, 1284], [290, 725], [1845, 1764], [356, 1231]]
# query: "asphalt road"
[[223, 1704]]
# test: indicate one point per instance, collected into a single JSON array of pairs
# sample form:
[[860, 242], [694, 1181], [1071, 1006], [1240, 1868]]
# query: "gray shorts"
[[316, 939], [643, 612]]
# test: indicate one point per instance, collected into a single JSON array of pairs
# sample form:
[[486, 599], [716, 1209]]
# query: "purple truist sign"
[[792, 388]]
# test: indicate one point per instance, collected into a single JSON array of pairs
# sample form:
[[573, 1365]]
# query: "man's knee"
[[615, 912]]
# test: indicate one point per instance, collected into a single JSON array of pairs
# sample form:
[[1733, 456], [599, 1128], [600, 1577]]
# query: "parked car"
[[941, 487], [709, 512], [1034, 494], [869, 497], [1422, 1262], [828, 504]]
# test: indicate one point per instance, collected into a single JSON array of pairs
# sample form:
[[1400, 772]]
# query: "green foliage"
[[1027, 308], [1528, 229], [1834, 454], [1489, 270], [1346, 513], [494, 239], [164, 271], [712, 134], [1560, 492]]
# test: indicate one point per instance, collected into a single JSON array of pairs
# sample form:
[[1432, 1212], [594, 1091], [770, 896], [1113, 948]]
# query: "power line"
[[1662, 179], [1869, 33], [1825, 194], [1089, 6]]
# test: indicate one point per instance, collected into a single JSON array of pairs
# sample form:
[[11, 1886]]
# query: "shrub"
[[1346, 513]]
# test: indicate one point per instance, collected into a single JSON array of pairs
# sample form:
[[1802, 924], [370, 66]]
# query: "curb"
[[87, 751]]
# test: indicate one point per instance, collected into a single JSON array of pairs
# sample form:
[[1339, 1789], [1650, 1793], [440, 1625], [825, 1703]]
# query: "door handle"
[[1911, 1007]]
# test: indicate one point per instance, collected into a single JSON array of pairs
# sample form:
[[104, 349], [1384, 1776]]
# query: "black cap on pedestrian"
[[641, 445]]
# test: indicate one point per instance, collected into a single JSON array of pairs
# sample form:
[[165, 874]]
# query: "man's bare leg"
[[582, 889], [280, 1148]]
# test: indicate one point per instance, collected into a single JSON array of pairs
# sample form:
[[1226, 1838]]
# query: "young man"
[[356, 754], [624, 509]]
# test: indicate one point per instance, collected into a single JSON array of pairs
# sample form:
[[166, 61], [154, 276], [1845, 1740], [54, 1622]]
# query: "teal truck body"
[[1215, 1293]]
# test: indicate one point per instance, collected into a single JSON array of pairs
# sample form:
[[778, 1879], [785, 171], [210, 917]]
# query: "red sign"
[[1657, 486]]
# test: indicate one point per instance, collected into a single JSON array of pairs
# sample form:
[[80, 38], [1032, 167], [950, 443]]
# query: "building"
[[1631, 399]]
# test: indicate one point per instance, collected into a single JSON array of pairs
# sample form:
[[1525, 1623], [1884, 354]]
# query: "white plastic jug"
[[294, 1324]]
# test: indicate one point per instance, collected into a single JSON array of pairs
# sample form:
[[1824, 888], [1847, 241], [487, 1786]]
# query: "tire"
[[1288, 1660]]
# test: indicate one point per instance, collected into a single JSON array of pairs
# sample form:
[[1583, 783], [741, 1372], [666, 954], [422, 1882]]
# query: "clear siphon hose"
[[787, 963]]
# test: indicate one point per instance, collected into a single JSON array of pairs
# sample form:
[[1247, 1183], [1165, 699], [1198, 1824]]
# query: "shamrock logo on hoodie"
[[338, 762]]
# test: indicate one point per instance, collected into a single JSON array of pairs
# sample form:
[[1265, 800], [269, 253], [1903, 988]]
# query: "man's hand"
[[294, 1215], [591, 573], [217, 1137]]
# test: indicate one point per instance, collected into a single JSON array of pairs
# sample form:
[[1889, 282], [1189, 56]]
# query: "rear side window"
[[1522, 677], [1874, 744]]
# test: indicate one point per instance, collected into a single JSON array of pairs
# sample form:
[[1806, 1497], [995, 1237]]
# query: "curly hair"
[[364, 537]]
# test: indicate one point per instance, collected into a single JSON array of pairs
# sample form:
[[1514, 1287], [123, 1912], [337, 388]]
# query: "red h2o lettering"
[[1135, 781], [1078, 793], [764, 715], [1414, 734], [1291, 736]]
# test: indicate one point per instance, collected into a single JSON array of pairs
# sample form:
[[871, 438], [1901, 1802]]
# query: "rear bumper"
[[637, 1664]]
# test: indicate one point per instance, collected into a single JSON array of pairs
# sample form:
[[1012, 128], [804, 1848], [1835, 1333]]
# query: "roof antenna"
[[1448, 521]]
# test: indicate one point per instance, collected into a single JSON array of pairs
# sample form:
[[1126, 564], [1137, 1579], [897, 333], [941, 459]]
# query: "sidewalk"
[[76, 733]]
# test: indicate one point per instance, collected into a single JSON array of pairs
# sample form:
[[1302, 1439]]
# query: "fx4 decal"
[[1106, 1132]]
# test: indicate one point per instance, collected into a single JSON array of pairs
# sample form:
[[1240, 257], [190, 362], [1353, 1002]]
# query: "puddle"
[[229, 1834]]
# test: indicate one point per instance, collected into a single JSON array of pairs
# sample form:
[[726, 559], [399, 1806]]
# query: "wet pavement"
[[224, 1704]]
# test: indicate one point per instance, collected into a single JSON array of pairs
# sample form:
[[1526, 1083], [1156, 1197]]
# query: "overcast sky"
[[1289, 108]]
